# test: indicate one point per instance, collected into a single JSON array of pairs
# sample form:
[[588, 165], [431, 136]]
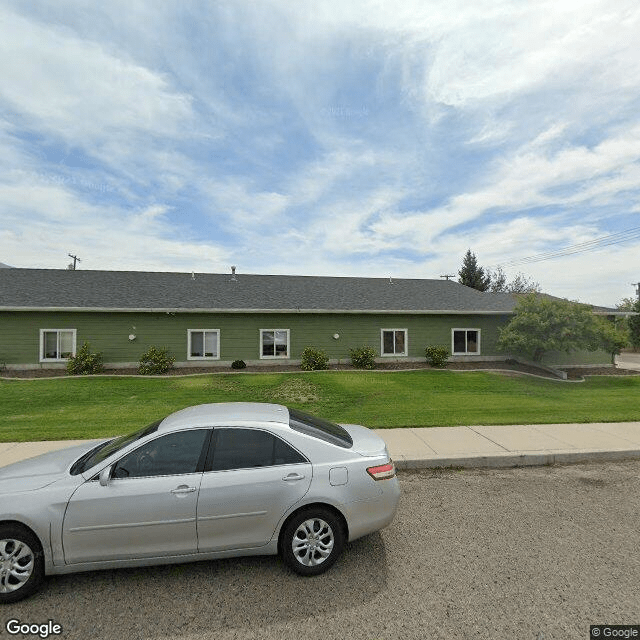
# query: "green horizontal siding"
[[239, 333], [577, 358]]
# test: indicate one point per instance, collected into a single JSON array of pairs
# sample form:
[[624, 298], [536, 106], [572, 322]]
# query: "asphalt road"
[[535, 553]]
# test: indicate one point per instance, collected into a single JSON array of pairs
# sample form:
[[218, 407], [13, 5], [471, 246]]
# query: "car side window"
[[172, 454], [237, 448]]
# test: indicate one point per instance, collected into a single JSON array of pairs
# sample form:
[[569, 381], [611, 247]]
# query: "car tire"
[[21, 563], [311, 541]]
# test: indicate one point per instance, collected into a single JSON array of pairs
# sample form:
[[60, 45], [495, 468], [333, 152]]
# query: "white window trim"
[[190, 331], [41, 352], [285, 357], [394, 355], [466, 353]]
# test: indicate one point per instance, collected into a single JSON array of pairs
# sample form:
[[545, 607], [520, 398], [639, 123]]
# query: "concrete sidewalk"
[[512, 445], [475, 446]]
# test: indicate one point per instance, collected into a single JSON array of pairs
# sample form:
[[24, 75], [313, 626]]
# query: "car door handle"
[[293, 476], [183, 489]]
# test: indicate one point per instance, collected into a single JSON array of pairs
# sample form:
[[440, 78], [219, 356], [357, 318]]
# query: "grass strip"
[[94, 407]]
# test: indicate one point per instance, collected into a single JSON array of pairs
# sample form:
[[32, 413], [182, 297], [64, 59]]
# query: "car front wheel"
[[312, 541], [21, 563]]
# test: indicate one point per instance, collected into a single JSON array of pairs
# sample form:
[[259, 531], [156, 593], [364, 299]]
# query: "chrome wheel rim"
[[16, 564], [312, 542]]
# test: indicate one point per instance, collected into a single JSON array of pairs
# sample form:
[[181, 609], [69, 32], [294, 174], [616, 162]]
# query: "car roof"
[[221, 413]]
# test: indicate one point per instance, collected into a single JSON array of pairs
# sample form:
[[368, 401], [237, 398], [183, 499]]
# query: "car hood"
[[365, 441], [35, 473]]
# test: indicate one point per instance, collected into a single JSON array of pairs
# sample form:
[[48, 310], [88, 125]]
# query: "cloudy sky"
[[325, 138]]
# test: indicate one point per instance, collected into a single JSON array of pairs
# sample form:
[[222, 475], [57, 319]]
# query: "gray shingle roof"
[[146, 291]]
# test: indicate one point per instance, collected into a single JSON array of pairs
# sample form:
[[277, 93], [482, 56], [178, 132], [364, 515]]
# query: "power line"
[[582, 247]]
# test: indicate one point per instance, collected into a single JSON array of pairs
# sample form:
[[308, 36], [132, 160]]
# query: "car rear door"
[[148, 509], [253, 477]]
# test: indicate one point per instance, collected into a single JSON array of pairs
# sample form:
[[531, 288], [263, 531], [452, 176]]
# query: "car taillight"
[[383, 471]]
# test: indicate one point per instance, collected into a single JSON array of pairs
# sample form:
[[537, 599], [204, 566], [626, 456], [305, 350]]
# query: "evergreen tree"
[[472, 275]]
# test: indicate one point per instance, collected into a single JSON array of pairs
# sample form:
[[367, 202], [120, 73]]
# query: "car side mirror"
[[105, 476]]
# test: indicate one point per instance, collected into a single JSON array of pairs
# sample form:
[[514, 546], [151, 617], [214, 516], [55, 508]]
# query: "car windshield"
[[105, 449], [319, 428]]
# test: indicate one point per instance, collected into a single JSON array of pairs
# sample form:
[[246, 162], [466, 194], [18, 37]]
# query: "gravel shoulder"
[[536, 553]]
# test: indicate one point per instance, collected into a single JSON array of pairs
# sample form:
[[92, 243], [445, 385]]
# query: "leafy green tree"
[[627, 304], [520, 284], [634, 327], [614, 336], [632, 322], [541, 325], [497, 280], [471, 274]]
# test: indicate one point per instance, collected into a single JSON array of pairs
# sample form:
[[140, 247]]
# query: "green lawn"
[[64, 408]]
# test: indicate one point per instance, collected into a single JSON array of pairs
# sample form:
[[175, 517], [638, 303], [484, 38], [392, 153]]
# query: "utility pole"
[[637, 286], [72, 267]]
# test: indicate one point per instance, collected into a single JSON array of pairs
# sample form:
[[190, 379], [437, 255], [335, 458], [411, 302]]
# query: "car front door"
[[148, 508], [253, 478]]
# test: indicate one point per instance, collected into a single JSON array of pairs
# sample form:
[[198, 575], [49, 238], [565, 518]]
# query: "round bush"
[[155, 361], [85, 362], [437, 356], [314, 359], [363, 357], [238, 364]]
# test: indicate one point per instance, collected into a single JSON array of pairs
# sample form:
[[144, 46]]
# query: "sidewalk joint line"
[[489, 439]]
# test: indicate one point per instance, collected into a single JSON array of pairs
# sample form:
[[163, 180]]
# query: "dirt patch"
[[299, 391]]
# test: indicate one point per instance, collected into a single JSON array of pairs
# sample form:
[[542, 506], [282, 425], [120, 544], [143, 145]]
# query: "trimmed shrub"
[[238, 364], [363, 357], [155, 361], [314, 359], [85, 362], [437, 356]]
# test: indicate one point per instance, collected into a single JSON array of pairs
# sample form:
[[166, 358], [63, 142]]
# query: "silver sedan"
[[209, 481]]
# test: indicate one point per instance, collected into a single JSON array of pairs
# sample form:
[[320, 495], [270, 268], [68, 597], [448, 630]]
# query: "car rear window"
[[319, 428]]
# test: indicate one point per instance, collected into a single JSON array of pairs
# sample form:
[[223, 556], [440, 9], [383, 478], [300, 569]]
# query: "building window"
[[465, 341], [393, 342], [204, 344], [274, 343], [57, 345]]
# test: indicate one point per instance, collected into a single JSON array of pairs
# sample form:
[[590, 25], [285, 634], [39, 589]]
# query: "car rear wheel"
[[21, 563], [312, 541]]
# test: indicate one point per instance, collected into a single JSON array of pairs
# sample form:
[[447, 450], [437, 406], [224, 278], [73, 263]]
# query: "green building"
[[214, 319]]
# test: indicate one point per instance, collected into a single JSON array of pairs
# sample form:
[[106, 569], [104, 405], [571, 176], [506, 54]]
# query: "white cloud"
[[74, 89], [103, 236], [516, 118]]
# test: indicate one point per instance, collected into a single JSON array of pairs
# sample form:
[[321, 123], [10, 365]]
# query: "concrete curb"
[[511, 460]]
